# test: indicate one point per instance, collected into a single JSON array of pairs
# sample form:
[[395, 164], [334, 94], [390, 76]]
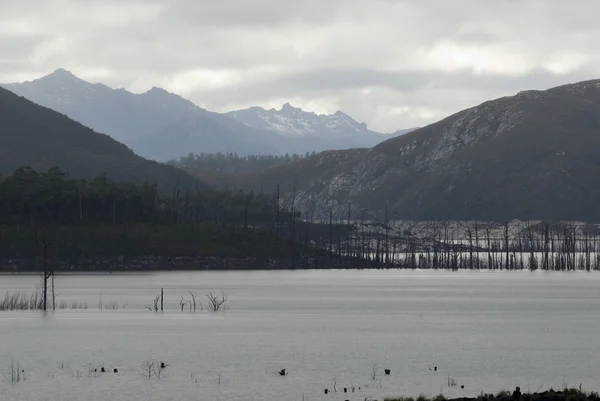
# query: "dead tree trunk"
[[45, 242], [489, 247], [387, 237], [246, 213], [470, 240], [506, 250], [330, 232], [546, 262], [477, 245], [53, 294]]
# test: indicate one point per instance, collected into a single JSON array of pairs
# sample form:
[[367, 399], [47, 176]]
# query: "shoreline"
[[141, 272], [99, 271], [567, 394], [154, 263]]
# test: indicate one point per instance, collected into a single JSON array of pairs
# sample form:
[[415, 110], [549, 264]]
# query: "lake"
[[485, 330]]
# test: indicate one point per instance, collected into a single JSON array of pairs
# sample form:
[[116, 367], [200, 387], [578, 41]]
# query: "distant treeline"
[[78, 223], [31, 198], [75, 223], [232, 163]]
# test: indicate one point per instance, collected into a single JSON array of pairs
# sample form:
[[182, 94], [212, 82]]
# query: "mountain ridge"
[[162, 125]]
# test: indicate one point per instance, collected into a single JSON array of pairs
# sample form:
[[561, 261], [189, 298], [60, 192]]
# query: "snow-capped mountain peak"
[[292, 121]]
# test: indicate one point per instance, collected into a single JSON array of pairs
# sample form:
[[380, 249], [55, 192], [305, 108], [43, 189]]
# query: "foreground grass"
[[571, 394], [21, 301]]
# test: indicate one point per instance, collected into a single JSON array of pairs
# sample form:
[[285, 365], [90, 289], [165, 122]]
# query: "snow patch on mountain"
[[291, 121]]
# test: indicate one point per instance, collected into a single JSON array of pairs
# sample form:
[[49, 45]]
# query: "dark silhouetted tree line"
[[116, 225], [31, 198], [232, 163]]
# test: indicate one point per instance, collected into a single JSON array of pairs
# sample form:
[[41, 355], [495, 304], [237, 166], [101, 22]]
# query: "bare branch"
[[216, 303]]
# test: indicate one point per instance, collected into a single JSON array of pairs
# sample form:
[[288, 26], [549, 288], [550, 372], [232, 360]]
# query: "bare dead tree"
[[489, 247], [330, 230], [46, 240], [573, 243], [155, 307], [469, 234], [506, 246], [156, 300], [150, 368], [245, 214], [216, 303], [293, 224], [193, 301], [446, 245], [387, 236], [53, 293], [277, 210], [374, 372], [182, 303], [477, 244]]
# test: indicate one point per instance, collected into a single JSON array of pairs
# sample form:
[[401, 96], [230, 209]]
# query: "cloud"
[[390, 63]]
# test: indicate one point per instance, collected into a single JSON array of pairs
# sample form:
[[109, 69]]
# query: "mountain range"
[[534, 155], [160, 125]]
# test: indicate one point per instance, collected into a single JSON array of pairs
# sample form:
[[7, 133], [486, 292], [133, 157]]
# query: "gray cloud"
[[390, 63], [19, 48]]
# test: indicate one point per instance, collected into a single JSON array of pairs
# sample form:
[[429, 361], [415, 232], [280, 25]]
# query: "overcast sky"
[[390, 63]]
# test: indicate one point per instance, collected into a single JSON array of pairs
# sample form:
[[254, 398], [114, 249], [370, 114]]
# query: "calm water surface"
[[486, 330]]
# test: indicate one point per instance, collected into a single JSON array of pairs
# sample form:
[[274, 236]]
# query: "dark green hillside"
[[31, 135]]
